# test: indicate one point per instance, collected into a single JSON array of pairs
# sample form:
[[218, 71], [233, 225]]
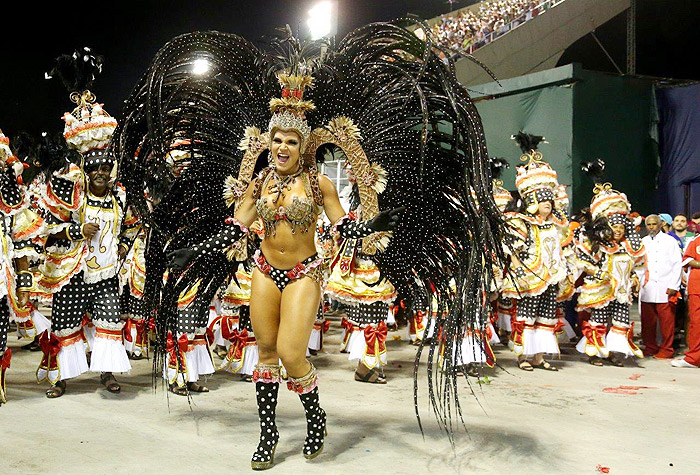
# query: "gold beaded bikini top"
[[301, 214]]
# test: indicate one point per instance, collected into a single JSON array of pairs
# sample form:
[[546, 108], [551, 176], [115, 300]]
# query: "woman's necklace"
[[283, 183]]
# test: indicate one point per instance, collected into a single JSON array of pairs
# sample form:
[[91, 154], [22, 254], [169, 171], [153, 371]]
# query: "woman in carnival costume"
[[356, 281], [537, 260], [384, 97], [503, 308], [84, 209], [612, 255], [567, 287], [18, 226]]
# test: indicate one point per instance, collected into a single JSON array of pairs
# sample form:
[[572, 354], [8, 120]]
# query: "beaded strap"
[[305, 384], [267, 373]]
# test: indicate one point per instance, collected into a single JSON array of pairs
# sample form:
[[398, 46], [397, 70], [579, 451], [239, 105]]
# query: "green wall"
[[583, 115]]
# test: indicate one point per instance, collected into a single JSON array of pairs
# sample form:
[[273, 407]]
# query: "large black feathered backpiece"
[[416, 121]]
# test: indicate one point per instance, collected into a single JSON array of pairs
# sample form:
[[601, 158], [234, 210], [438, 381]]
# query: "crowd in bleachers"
[[469, 30]]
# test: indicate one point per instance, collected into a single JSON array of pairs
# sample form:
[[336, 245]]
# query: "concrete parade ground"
[[643, 418]]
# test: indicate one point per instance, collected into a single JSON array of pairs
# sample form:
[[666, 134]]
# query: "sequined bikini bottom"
[[311, 267]]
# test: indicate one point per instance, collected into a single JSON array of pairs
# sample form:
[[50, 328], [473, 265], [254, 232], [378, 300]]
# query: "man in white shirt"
[[659, 294]]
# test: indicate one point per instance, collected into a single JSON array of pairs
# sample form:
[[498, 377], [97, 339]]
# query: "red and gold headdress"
[[289, 111]]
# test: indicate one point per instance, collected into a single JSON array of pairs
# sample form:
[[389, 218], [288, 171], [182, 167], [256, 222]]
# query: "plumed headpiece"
[[88, 128], [536, 180], [289, 111], [606, 201], [528, 142]]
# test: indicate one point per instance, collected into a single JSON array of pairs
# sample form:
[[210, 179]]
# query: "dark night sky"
[[128, 34]]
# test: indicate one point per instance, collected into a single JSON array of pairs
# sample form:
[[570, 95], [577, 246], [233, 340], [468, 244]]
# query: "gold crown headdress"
[[289, 111], [88, 128], [536, 181], [607, 201]]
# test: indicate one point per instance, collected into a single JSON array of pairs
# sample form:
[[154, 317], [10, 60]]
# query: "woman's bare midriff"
[[285, 249]]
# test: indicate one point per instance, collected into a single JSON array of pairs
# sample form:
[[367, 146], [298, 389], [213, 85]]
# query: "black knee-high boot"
[[307, 388], [266, 389]]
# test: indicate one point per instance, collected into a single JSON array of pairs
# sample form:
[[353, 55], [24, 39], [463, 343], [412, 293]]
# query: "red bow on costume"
[[5, 360], [50, 346], [594, 333], [559, 327], [182, 346], [517, 329], [295, 272], [151, 324], [210, 336], [347, 324], [127, 330], [262, 264], [324, 326], [376, 338], [85, 321], [238, 340], [227, 328], [630, 334]]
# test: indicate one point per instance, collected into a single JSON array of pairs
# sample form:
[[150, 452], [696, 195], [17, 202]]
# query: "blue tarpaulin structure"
[[679, 149]]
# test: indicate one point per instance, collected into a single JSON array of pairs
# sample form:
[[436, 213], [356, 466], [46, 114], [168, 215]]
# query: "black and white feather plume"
[[528, 142], [416, 120], [77, 71], [595, 169]]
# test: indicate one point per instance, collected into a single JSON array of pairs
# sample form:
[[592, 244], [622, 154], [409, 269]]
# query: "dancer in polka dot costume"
[[537, 261], [84, 212], [18, 225], [356, 281], [378, 96], [190, 356], [611, 253], [132, 280]]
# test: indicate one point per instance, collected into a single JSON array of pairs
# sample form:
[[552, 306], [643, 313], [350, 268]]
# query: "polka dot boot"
[[266, 394], [315, 424]]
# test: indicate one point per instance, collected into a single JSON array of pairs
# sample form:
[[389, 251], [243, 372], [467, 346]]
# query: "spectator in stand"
[[694, 224], [467, 29], [659, 295], [680, 230], [691, 259]]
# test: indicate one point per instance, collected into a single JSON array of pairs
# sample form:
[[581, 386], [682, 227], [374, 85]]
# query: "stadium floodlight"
[[320, 21], [200, 66]]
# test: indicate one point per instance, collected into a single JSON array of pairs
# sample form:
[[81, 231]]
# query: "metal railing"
[[513, 24]]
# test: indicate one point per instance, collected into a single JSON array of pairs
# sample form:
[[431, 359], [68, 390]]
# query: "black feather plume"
[[417, 122], [528, 142], [498, 167], [594, 169], [77, 71], [50, 153]]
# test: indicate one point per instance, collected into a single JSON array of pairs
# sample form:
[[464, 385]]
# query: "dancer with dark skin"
[[98, 185]]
